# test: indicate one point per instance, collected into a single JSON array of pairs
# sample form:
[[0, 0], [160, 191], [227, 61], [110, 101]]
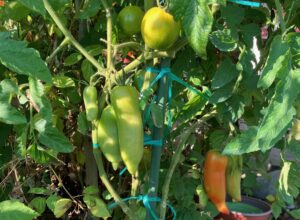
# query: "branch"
[[109, 187], [69, 36], [61, 46]]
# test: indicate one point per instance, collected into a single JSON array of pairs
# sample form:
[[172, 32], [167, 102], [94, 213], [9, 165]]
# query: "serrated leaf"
[[72, 59], [96, 206], [223, 40], [10, 115], [225, 74], [276, 62], [196, 19], [52, 138], [26, 61], [15, 210], [63, 82], [38, 204], [277, 119], [61, 207]]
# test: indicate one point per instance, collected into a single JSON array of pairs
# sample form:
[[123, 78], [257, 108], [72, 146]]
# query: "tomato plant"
[[174, 109]]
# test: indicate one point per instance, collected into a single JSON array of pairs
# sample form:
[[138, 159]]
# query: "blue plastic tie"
[[146, 201], [247, 3], [96, 145], [166, 71]]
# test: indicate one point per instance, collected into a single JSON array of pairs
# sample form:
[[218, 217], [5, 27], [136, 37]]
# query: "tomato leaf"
[[196, 19], [26, 61], [224, 40], [15, 210], [11, 115], [54, 139], [225, 74], [277, 60], [276, 121]]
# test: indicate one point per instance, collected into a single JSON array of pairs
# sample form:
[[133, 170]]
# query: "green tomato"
[[130, 19]]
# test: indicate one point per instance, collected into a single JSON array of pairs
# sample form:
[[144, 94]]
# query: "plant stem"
[[175, 160], [158, 134], [61, 46], [109, 64], [63, 186], [134, 184], [69, 36], [109, 187], [280, 14]]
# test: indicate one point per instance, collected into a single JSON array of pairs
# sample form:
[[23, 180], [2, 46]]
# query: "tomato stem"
[[70, 37]]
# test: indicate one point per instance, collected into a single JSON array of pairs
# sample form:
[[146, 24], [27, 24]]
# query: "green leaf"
[[295, 213], [63, 82], [10, 115], [87, 70], [39, 191], [225, 74], [26, 61], [51, 137], [217, 139], [233, 14], [276, 121], [192, 108], [40, 100], [276, 210], [82, 123], [232, 109], [196, 19], [38, 204], [276, 62], [72, 59], [222, 94], [248, 32], [7, 89], [61, 207], [15, 210], [51, 200], [40, 155], [96, 206], [89, 9], [37, 6], [91, 190], [223, 40]]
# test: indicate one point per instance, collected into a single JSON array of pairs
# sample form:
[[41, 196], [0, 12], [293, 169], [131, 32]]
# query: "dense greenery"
[[231, 84]]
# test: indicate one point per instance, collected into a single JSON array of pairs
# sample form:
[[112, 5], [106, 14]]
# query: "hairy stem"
[[69, 36]]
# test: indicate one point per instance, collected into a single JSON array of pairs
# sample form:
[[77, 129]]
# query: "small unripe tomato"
[[130, 19]]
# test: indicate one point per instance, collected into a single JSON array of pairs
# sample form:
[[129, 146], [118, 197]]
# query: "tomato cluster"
[[158, 27]]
